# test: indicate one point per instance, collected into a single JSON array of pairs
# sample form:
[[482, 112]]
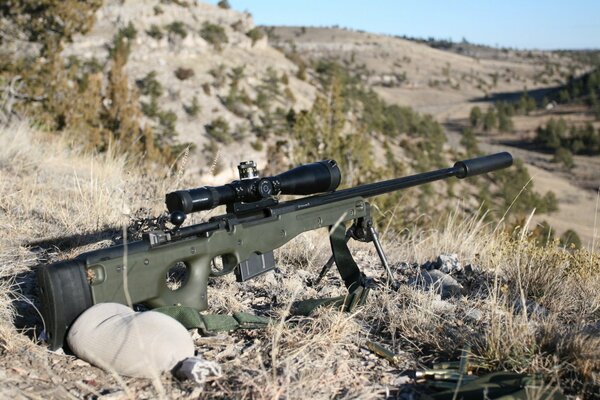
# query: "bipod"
[[362, 230]]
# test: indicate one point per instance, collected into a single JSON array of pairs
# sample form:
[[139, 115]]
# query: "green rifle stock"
[[243, 238]]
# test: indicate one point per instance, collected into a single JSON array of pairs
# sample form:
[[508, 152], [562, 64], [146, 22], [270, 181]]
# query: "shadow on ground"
[[536, 94]]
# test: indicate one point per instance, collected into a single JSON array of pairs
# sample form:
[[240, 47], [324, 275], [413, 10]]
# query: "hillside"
[[449, 80], [170, 37], [431, 80]]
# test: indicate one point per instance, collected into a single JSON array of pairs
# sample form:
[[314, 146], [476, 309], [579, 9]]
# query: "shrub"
[[224, 4], [218, 130], [549, 203], [526, 104], [150, 109], [121, 41], [262, 101], [577, 139], [177, 28], [214, 34], [552, 135], [476, 117], [235, 99], [271, 82], [255, 34], [155, 32], [237, 74], [543, 234], [193, 109], [257, 145], [489, 120], [149, 85], [564, 156], [128, 32], [167, 123], [218, 73], [184, 73], [469, 140], [570, 239], [206, 88], [516, 192], [505, 123]]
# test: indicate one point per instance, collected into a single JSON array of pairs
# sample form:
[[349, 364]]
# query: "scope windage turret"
[[318, 177]]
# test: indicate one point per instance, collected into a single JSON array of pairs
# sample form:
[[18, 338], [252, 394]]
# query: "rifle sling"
[[192, 318]]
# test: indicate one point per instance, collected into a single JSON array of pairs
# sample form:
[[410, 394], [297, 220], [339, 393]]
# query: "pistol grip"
[[193, 290]]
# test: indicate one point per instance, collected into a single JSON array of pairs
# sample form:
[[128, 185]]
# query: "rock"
[[471, 269], [436, 280], [592, 329], [429, 266], [443, 306], [198, 369], [403, 267], [81, 363], [402, 380], [532, 308], [448, 263], [474, 314], [116, 394]]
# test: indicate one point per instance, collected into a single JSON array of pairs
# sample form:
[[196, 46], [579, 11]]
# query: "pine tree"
[[475, 117], [489, 120]]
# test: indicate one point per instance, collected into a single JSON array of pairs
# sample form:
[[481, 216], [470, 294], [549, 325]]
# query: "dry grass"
[[49, 190], [530, 309]]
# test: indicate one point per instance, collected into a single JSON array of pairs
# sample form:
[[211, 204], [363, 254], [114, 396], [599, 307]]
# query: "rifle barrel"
[[461, 169]]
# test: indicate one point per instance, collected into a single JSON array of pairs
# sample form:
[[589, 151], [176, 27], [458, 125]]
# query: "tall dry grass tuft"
[[48, 189]]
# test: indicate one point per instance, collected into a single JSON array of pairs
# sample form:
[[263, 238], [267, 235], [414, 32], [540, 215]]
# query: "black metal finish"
[[461, 169], [362, 230], [254, 266], [481, 165], [65, 294], [322, 176]]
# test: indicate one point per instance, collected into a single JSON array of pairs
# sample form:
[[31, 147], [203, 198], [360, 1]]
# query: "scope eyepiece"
[[318, 177]]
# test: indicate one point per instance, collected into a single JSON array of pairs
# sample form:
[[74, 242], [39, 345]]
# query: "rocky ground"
[[434, 312]]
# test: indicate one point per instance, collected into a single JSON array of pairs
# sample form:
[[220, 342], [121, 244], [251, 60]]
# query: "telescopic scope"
[[318, 177]]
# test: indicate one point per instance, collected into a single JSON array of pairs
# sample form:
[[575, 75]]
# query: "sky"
[[524, 24]]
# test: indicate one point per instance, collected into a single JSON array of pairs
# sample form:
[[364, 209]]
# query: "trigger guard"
[[228, 266]]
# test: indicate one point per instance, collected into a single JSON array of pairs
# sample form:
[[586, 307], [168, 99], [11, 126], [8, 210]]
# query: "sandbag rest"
[[137, 344]]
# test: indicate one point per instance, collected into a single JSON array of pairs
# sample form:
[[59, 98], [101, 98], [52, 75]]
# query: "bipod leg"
[[364, 231], [354, 280], [380, 253], [330, 262], [357, 284]]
